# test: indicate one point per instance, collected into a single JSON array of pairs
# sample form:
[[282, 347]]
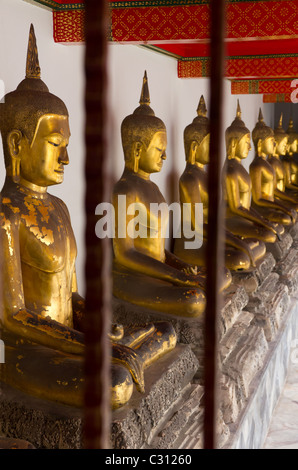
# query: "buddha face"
[[293, 147], [243, 147], [281, 147], [268, 146], [151, 158], [202, 152], [42, 162]]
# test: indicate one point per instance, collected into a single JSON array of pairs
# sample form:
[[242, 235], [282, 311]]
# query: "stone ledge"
[[280, 248], [45, 424], [250, 429], [136, 424], [251, 280]]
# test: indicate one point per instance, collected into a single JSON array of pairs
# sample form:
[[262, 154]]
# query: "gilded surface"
[[164, 282], [242, 218], [239, 255], [263, 178]]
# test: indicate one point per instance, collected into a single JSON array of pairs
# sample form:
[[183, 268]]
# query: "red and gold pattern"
[[277, 98], [151, 21], [243, 67], [69, 26], [245, 87]]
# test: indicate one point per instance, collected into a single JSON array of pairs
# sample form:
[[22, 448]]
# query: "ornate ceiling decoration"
[[261, 37]]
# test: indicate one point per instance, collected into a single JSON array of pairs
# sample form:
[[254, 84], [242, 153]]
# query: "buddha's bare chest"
[[46, 238]]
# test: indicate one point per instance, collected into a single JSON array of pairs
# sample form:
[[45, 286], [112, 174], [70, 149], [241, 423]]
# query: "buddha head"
[[263, 137], [281, 138], [237, 137], [144, 137], [197, 136], [293, 138], [34, 128]]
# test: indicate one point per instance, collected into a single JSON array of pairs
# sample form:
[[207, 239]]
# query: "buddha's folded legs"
[[246, 229], [235, 260], [274, 215], [158, 295]]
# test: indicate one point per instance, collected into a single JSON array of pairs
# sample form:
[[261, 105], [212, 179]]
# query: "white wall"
[[173, 100]]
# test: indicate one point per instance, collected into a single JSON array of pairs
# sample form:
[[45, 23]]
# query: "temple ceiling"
[[261, 43]]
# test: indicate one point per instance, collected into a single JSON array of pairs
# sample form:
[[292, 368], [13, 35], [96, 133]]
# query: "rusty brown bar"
[[214, 246], [98, 252]]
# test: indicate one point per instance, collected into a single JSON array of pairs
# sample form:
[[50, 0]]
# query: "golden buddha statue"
[[240, 255], [144, 272], [280, 192], [263, 177], [41, 311], [241, 218], [289, 159]]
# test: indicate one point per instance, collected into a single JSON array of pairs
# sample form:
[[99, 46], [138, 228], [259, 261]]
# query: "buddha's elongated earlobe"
[[259, 147], [192, 153], [136, 156], [14, 140], [16, 169]]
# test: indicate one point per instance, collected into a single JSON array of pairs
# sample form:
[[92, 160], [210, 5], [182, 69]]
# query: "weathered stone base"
[[49, 425], [269, 304], [141, 422], [250, 429], [287, 268], [281, 247], [44, 424], [252, 280]]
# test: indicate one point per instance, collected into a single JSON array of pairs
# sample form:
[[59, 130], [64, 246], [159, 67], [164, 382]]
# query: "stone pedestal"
[[44, 424], [281, 247], [152, 418], [49, 425], [252, 280]]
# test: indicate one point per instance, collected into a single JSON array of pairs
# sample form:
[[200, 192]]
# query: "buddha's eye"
[[53, 143]]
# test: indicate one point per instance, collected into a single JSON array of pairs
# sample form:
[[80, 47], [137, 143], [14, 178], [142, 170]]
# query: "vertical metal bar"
[[98, 252], [215, 257]]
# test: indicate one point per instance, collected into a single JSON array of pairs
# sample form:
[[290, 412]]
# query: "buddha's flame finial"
[[32, 66], [280, 121], [261, 118], [145, 97], [238, 111], [201, 109]]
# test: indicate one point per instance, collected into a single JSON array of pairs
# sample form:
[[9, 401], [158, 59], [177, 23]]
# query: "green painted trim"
[[161, 51], [170, 3], [259, 80], [237, 57], [58, 7]]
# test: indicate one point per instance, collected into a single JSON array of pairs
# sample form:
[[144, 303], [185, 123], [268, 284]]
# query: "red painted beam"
[[278, 66], [262, 86], [277, 98], [166, 20]]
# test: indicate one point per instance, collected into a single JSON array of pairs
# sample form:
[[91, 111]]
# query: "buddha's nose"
[[64, 158], [164, 156]]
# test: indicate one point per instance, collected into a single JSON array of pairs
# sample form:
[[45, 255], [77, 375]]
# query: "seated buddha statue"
[[241, 218], [240, 255], [288, 197], [263, 177], [41, 311], [145, 273], [289, 159]]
